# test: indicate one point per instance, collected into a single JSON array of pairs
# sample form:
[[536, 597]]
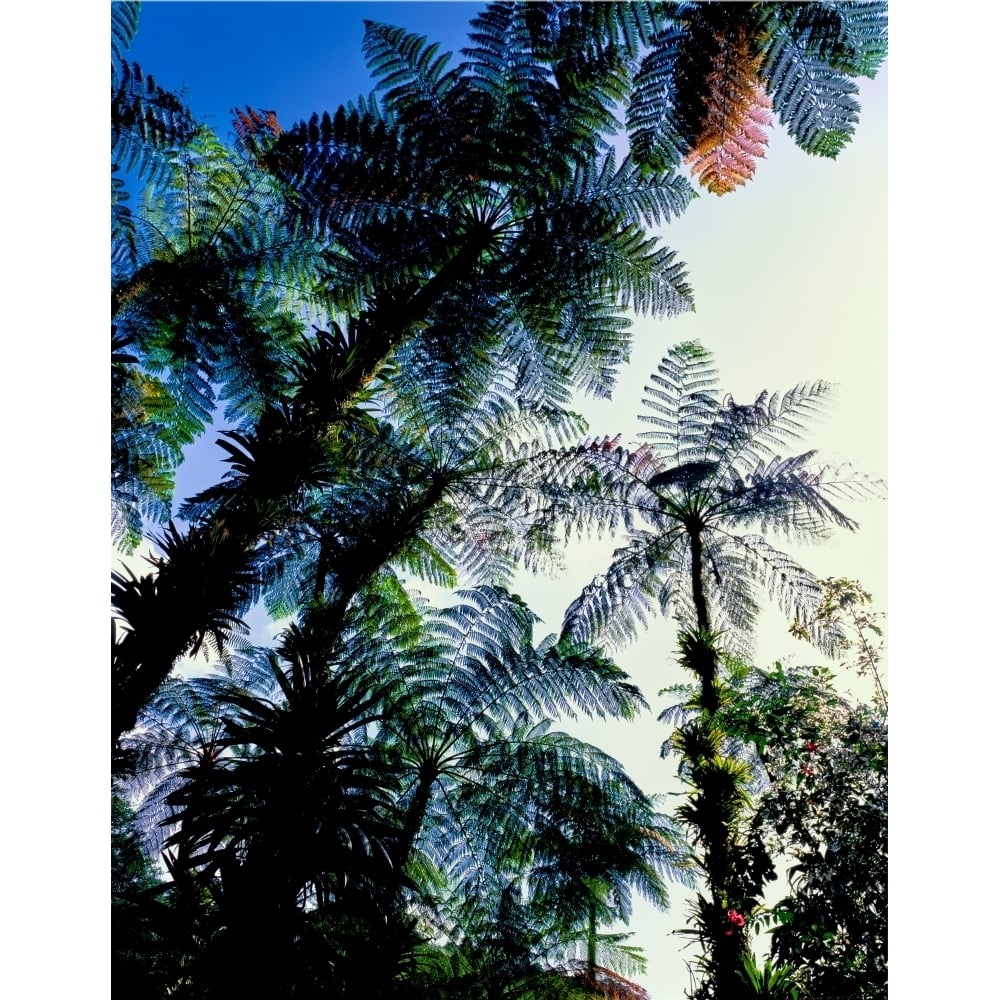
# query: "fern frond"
[[124, 23], [731, 135], [638, 582], [684, 402], [413, 75], [654, 133], [796, 591], [146, 122], [741, 436], [867, 24], [501, 61], [785, 495], [597, 487], [629, 193], [805, 73]]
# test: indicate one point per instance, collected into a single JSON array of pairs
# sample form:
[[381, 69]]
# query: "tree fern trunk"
[[725, 942], [171, 631], [698, 581], [592, 940]]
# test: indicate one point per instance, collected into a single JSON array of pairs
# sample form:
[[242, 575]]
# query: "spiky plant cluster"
[[369, 789]]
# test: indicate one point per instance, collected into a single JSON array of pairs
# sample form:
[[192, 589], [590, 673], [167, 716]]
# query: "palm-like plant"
[[701, 499], [589, 854], [487, 222], [701, 81], [539, 837], [481, 187], [404, 761], [486, 773], [712, 471], [282, 807]]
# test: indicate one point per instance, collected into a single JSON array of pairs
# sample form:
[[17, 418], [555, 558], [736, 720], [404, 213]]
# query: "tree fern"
[[702, 90], [712, 471]]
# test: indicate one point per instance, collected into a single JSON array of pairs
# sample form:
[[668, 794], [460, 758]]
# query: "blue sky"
[[292, 58]]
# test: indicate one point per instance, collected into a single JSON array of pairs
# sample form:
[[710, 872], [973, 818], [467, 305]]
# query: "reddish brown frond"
[[733, 132], [251, 122], [255, 128], [608, 985], [645, 461]]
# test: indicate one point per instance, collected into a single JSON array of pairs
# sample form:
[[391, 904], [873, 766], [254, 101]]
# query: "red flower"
[[811, 746], [736, 918], [807, 771]]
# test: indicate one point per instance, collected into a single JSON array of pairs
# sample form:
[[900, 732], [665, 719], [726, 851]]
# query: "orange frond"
[[608, 985], [250, 123], [733, 132]]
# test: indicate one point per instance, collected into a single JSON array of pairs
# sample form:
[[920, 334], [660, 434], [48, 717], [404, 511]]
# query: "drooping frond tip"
[[732, 137]]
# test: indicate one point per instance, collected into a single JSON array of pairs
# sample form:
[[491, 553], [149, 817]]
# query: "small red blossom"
[[736, 918], [811, 746], [807, 771]]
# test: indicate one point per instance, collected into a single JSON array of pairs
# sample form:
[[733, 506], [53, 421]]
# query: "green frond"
[[654, 134], [147, 122], [408, 69], [597, 487], [124, 23], [639, 582], [694, 426], [851, 37], [638, 195], [808, 56], [501, 61], [867, 24], [794, 588], [590, 50], [145, 447], [425, 560], [786, 496], [684, 402], [647, 278], [569, 335], [128, 249]]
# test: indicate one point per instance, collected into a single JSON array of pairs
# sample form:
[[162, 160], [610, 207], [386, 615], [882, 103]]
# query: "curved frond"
[[811, 50], [124, 23], [640, 581], [413, 75], [654, 133], [146, 120], [731, 136], [815, 104], [684, 403]]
